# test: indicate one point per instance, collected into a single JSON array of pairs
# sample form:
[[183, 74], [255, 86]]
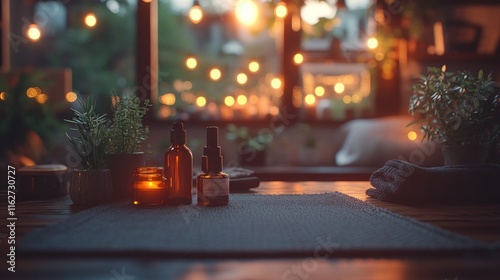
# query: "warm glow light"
[[201, 101], [195, 14], [147, 1], [298, 58], [372, 43], [241, 99], [254, 99], [71, 96], [339, 88], [439, 42], [31, 92], [412, 135], [253, 66], [229, 101], [242, 78], [165, 112], [443, 68], [310, 99], [41, 98], [247, 12], [379, 56], [188, 85], [135, 201], [168, 99], [90, 20], [319, 91], [281, 10], [356, 98], [33, 32], [2, 95], [347, 99], [276, 83], [191, 62], [274, 111], [312, 11], [215, 74]]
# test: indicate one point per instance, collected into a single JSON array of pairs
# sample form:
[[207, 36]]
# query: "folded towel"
[[403, 182]]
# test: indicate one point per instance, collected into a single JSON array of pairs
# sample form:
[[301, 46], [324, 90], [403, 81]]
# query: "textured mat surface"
[[251, 226]]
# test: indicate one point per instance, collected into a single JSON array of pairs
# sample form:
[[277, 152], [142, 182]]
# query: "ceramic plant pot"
[[91, 187], [122, 168], [467, 154]]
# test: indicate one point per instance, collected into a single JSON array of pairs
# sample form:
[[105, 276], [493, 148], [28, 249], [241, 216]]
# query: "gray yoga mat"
[[250, 226]]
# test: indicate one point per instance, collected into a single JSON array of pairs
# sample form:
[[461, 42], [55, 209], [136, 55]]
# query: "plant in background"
[[247, 141], [127, 131], [92, 135], [456, 108], [251, 149]]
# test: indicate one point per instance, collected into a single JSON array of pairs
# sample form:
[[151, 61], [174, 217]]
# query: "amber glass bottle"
[[212, 183], [179, 167]]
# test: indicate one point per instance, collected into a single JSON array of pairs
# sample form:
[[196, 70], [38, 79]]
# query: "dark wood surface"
[[478, 221]]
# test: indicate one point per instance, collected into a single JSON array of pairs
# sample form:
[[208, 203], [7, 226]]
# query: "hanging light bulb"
[[196, 13], [247, 12], [281, 10]]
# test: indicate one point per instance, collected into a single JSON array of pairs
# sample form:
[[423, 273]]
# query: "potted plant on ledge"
[[460, 110], [92, 183], [127, 133]]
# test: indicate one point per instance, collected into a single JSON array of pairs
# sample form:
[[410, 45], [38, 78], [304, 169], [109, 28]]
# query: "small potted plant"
[[460, 110], [92, 183], [127, 132], [251, 149]]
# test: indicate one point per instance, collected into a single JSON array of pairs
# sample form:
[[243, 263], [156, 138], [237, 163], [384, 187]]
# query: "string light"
[[90, 20], [310, 99], [319, 91], [281, 10], [201, 101], [372, 43], [215, 74], [33, 32], [253, 66], [168, 99], [191, 62], [41, 98], [71, 96], [347, 99], [247, 12], [412, 135], [229, 101], [298, 58], [195, 13], [3, 95], [242, 78], [241, 99], [339, 88], [276, 83]]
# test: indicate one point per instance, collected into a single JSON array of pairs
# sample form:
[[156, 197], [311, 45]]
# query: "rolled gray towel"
[[403, 182]]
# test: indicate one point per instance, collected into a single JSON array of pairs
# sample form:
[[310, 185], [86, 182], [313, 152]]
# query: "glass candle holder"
[[149, 186]]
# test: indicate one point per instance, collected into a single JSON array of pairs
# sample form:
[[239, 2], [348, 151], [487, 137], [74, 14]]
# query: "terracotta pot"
[[122, 168], [90, 187], [466, 154]]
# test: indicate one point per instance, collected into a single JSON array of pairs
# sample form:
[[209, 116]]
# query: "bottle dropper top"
[[211, 161], [178, 134]]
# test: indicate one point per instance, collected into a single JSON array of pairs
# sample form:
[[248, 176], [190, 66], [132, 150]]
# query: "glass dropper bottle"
[[212, 183]]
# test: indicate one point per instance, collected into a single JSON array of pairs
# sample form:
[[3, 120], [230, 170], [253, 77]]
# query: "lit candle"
[[149, 186]]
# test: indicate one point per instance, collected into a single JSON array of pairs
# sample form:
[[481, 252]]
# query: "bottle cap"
[[178, 134], [211, 161]]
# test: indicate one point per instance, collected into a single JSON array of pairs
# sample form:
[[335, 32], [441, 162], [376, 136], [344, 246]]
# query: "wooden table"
[[481, 222]]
